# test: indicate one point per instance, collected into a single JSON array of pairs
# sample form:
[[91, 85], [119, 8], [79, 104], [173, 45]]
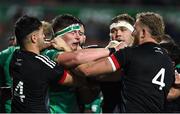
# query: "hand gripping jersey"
[[32, 74], [149, 74]]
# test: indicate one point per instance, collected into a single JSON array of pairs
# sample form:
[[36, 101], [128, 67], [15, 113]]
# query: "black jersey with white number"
[[149, 75], [32, 74]]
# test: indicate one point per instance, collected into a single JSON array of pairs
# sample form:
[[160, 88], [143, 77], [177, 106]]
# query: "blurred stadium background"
[[96, 14]]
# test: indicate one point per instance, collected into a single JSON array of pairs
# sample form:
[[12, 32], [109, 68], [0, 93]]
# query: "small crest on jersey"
[[18, 62], [157, 49]]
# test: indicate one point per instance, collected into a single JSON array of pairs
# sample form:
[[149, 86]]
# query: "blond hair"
[[47, 29], [154, 22]]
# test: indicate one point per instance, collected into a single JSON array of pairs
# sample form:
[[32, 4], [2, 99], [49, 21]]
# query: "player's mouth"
[[119, 40], [76, 43]]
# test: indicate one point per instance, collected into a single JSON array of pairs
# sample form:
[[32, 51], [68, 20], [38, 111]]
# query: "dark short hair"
[[62, 21], [123, 17], [167, 39], [24, 26], [172, 48]]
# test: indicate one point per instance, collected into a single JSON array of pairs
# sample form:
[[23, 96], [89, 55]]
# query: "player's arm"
[[74, 58], [99, 67], [111, 77], [71, 59]]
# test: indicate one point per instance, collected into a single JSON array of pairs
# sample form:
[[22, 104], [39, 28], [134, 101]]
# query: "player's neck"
[[32, 48], [148, 39]]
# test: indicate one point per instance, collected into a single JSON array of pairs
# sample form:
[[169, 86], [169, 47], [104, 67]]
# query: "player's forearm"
[[95, 68], [71, 59]]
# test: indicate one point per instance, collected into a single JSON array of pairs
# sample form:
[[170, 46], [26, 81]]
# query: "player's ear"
[[84, 40], [33, 38], [143, 33]]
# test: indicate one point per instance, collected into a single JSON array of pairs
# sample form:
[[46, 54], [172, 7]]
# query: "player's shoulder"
[[45, 60], [51, 53], [9, 50]]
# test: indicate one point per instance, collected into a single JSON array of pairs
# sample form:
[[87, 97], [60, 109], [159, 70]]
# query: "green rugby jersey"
[[5, 58], [62, 99], [96, 105], [178, 66]]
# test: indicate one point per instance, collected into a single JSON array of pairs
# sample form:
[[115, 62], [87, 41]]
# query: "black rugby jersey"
[[32, 75], [149, 75]]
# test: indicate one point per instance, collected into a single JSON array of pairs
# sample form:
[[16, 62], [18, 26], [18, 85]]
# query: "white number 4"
[[160, 74], [19, 91]]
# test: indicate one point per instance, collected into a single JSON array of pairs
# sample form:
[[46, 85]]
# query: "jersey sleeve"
[[54, 73], [59, 75], [118, 59]]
